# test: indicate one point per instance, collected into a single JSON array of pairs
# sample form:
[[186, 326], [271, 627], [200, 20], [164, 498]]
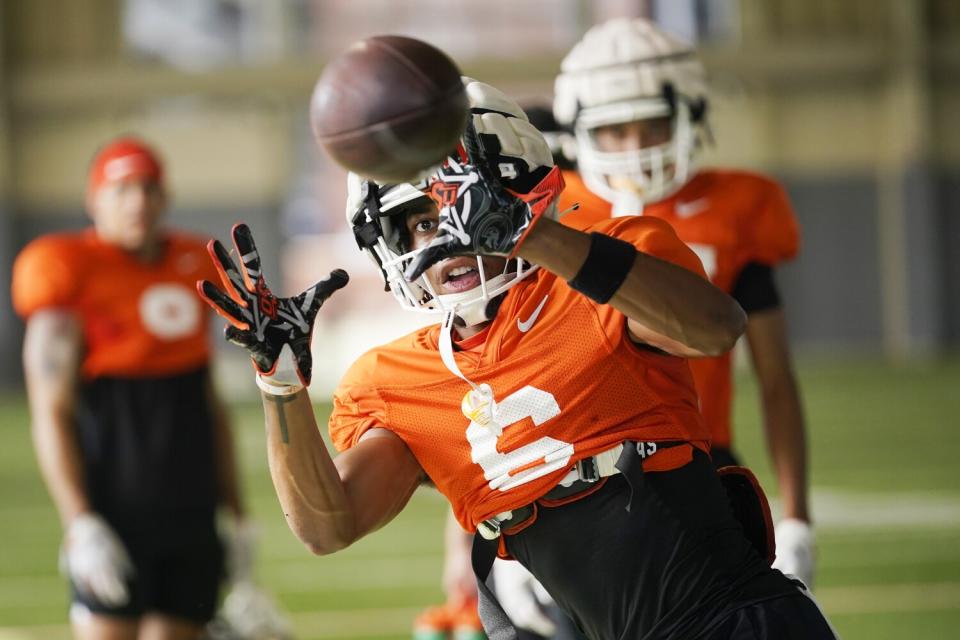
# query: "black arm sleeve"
[[755, 289]]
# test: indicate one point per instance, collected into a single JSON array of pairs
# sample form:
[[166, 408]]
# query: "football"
[[389, 108]]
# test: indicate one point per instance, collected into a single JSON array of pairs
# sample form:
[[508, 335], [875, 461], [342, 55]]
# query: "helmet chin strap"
[[630, 202], [627, 203], [467, 309], [479, 404]]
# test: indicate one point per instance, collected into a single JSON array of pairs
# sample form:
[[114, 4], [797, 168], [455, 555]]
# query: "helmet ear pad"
[[494, 305], [698, 110], [696, 107], [403, 233]]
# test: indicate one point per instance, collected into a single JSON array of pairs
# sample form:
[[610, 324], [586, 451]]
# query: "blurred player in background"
[[132, 441], [636, 102], [553, 407]]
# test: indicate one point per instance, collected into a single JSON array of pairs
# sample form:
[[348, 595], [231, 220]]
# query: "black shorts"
[[181, 581], [148, 447], [675, 566]]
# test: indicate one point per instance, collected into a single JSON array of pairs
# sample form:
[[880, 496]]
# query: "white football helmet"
[[626, 70], [376, 212]]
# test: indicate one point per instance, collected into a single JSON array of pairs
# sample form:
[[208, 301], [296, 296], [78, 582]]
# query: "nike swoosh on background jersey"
[[526, 325], [692, 208]]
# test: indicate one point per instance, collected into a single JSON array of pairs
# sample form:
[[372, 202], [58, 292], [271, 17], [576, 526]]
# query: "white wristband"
[[276, 390]]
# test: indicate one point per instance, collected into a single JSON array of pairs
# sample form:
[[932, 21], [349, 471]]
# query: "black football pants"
[[661, 556]]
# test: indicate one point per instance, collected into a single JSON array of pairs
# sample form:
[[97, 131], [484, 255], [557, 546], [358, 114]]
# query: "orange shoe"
[[434, 623], [466, 622]]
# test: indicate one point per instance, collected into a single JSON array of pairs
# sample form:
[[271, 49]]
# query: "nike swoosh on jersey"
[[526, 325], [692, 208]]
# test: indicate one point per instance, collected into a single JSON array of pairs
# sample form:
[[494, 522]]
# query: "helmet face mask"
[[377, 215], [649, 172], [627, 70]]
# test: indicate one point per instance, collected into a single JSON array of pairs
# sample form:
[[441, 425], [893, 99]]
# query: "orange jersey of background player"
[[138, 319], [567, 379], [730, 219]]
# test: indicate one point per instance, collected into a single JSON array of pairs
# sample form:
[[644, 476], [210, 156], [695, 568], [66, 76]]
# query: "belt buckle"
[[489, 529]]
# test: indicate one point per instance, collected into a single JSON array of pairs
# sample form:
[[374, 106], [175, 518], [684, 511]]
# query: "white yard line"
[[854, 510]]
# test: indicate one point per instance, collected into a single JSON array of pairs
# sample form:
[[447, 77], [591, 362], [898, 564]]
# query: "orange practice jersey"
[[568, 383], [730, 219], [138, 319]]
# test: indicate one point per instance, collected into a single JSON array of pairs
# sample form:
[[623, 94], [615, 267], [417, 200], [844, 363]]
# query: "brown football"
[[389, 107]]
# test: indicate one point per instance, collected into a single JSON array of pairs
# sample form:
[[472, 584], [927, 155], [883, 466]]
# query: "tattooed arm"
[[329, 503], [52, 350]]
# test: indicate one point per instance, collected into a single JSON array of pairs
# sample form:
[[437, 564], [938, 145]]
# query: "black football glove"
[[478, 214], [259, 321]]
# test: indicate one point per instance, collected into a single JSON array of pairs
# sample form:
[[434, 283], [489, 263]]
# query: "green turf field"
[[886, 451]]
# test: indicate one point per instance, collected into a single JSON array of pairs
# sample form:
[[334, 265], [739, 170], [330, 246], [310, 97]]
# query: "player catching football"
[[636, 100], [133, 444], [553, 406]]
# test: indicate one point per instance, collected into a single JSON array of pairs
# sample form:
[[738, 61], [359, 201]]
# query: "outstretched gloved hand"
[[276, 331]]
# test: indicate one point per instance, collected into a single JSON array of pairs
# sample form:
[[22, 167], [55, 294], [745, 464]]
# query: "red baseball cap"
[[122, 159]]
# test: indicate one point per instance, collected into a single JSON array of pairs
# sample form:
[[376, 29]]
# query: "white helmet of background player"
[[376, 213], [627, 70]]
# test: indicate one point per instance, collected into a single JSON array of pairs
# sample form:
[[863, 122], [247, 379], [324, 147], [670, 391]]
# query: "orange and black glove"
[[276, 331]]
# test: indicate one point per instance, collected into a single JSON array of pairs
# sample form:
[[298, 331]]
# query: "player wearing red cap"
[[132, 442]]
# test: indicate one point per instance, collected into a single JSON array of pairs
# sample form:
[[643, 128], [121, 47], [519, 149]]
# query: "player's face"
[[633, 136], [126, 213], [453, 275]]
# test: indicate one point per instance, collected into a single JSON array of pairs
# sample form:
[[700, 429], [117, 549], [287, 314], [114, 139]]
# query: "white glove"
[[796, 549], [522, 597], [240, 541], [248, 613], [96, 561]]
